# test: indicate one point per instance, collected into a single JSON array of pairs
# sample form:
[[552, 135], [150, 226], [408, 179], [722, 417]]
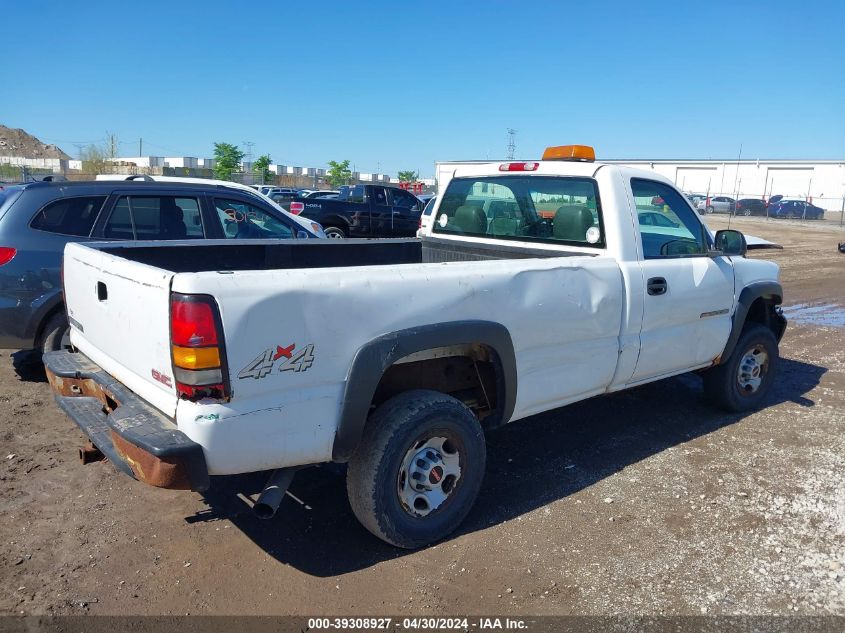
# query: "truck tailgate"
[[119, 314]]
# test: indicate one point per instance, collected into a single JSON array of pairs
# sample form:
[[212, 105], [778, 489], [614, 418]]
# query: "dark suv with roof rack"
[[38, 219]]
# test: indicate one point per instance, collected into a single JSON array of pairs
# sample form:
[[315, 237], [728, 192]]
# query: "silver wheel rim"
[[752, 370], [334, 234], [428, 476]]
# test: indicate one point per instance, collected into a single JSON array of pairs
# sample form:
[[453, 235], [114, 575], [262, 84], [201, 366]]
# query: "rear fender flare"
[[374, 358]]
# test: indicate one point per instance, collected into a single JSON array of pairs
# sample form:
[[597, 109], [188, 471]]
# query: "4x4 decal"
[[283, 358]]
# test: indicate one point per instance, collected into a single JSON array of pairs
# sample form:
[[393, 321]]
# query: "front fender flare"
[[770, 290], [374, 358]]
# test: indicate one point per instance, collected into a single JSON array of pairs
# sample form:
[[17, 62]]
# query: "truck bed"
[[225, 255]]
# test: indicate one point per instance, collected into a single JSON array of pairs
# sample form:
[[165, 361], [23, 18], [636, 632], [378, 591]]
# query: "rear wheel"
[[334, 233], [746, 212], [418, 469], [56, 334], [709, 210], [744, 380]]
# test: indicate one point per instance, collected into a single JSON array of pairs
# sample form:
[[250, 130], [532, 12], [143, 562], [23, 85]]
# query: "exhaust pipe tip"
[[264, 510], [274, 491]]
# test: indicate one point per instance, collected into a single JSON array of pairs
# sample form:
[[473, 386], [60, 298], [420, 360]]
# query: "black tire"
[[375, 473], [747, 213], [709, 210], [334, 232], [722, 384], [54, 331]]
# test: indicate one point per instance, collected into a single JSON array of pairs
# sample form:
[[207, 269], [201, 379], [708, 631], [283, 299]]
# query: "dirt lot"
[[648, 501]]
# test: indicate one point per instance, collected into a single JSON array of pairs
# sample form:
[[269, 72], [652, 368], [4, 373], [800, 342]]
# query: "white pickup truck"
[[537, 284]]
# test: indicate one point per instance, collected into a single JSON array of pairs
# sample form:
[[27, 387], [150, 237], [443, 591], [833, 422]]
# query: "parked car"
[[717, 204], [750, 206], [400, 363], [795, 209], [363, 211], [427, 215], [38, 219], [695, 198]]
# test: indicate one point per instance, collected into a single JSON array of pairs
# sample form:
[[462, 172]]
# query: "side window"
[[241, 220], [119, 225], [69, 216], [356, 194], [674, 231], [379, 196], [155, 218], [403, 199]]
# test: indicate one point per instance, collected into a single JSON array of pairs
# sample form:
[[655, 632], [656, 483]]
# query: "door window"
[[403, 199], [678, 233], [356, 194], [69, 216], [242, 220], [155, 218], [379, 196]]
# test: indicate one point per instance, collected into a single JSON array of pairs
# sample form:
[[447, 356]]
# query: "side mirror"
[[731, 242]]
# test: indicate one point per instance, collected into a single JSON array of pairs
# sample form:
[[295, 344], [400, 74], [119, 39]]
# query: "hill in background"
[[16, 142]]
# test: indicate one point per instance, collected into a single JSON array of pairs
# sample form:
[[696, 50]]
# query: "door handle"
[[657, 286], [102, 291]]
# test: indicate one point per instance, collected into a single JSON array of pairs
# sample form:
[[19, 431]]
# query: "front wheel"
[[709, 210], [746, 213], [418, 468], [334, 233], [744, 380]]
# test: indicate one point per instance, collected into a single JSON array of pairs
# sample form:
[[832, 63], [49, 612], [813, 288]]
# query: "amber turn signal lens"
[[570, 152], [196, 357]]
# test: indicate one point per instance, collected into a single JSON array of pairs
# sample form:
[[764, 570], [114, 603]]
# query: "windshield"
[[548, 209]]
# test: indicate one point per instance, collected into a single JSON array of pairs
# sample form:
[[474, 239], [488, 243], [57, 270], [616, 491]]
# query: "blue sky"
[[399, 85]]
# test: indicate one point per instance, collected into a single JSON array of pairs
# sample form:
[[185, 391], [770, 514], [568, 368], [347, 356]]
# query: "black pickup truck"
[[363, 211]]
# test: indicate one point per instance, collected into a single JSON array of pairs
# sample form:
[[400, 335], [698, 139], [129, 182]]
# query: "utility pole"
[[140, 147], [511, 143], [79, 147], [248, 156], [111, 139]]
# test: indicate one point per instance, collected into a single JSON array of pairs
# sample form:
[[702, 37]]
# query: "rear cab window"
[[547, 209], [69, 216]]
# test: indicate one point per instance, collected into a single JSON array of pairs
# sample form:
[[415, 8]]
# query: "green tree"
[[261, 167], [408, 176], [227, 159], [339, 173]]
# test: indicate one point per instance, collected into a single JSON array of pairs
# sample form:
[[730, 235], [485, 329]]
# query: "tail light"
[[518, 166], [7, 254], [197, 350], [297, 207]]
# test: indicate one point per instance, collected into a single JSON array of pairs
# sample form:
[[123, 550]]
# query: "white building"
[[823, 181]]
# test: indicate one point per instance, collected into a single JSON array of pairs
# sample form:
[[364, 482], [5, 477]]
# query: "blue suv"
[[38, 219]]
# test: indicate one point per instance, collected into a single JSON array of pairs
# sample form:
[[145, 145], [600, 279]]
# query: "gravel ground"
[[643, 502]]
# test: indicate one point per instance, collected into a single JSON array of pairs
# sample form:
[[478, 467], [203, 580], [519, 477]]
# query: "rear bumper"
[[137, 438]]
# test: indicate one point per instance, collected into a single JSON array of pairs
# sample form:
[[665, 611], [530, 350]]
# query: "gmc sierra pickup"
[[538, 284], [363, 211]]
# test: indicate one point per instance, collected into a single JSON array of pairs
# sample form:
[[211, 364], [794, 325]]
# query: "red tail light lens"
[[297, 207], [197, 351], [192, 323], [7, 254], [518, 166]]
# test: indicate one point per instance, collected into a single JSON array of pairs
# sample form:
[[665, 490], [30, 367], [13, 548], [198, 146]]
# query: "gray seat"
[[571, 222], [470, 219]]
